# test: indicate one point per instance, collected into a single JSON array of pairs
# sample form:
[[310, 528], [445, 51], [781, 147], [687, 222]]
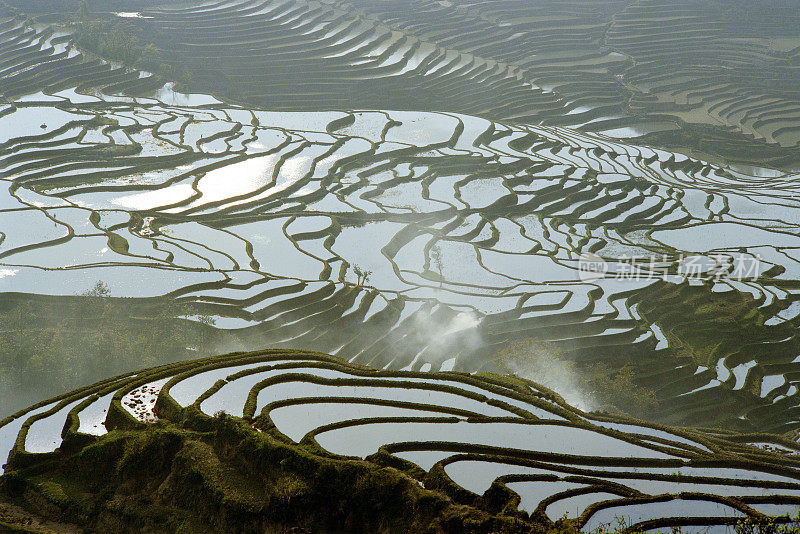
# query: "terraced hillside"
[[36, 58], [395, 239], [454, 236], [505, 452], [718, 79]]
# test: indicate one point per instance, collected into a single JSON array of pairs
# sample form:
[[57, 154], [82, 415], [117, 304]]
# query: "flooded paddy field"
[[476, 438], [711, 78], [411, 240], [502, 226]]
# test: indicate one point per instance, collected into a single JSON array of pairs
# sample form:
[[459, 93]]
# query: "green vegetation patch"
[[55, 344], [222, 475]]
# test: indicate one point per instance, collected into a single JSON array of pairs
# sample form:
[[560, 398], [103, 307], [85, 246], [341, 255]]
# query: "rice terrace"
[[389, 266]]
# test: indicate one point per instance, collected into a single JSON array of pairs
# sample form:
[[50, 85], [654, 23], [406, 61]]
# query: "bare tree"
[[362, 275]]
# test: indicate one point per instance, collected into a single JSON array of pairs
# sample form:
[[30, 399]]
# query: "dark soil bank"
[[222, 475]]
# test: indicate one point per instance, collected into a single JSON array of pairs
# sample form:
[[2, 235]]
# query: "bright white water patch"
[[647, 431], [131, 15], [637, 513], [35, 120], [189, 389], [477, 476], [4, 273], [532, 493], [232, 396], [425, 396], [157, 198], [141, 401], [168, 95], [9, 432], [362, 440], [44, 435], [297, 420], [659, 487], [237, 179], [776, 510], [775, 448], [713, 236], [93, 417], [572, 507]]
